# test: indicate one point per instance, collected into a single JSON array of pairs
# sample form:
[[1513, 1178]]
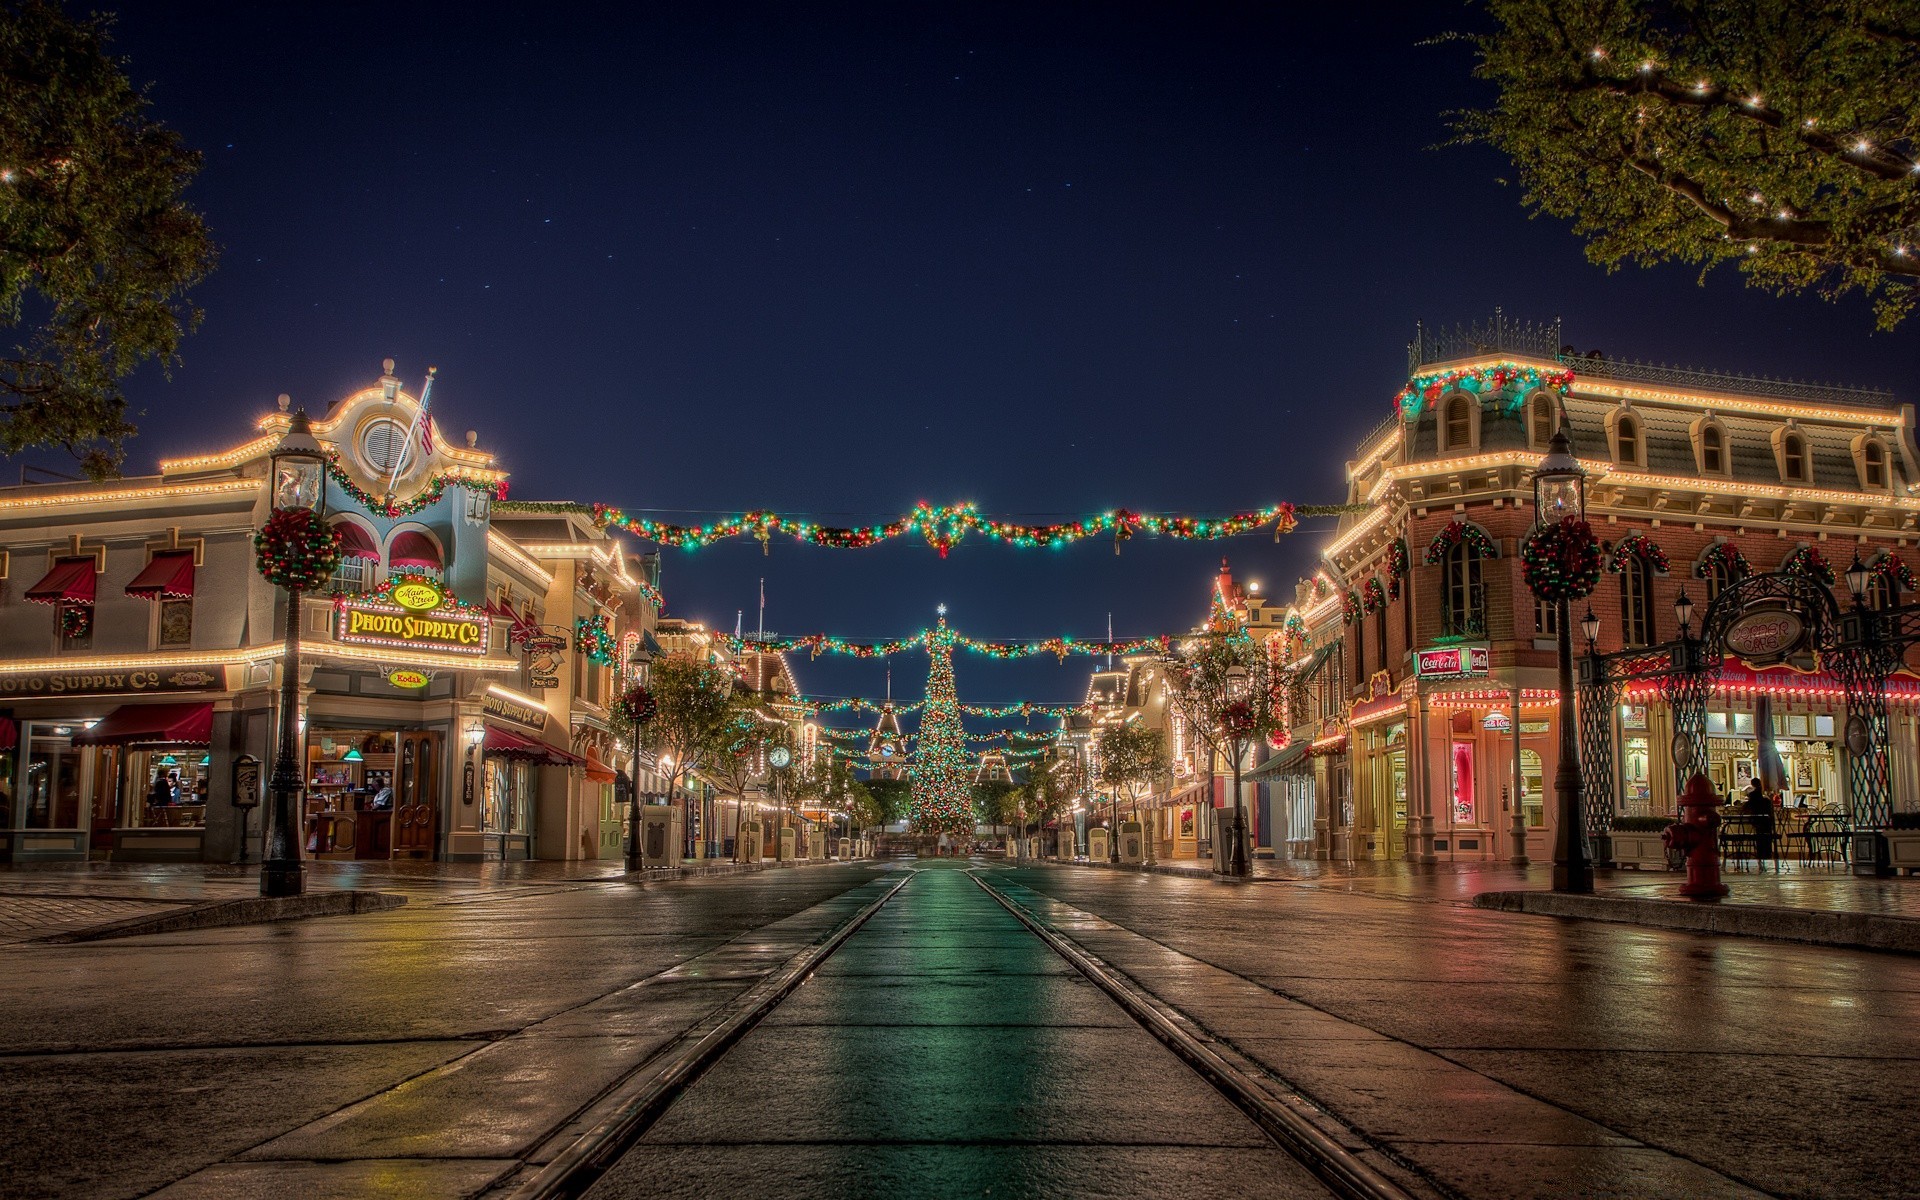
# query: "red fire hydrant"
[[1697, 835]]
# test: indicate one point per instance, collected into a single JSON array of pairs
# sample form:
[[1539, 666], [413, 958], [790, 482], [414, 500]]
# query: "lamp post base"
[[278, 879], [1573, 877]]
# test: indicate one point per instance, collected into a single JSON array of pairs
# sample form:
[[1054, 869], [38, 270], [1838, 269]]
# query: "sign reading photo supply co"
[[112, 683], [449, 629]]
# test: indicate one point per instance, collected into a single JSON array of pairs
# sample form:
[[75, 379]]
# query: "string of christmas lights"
[[945, 526], [1516, 380], [859, 704], [817, 644]]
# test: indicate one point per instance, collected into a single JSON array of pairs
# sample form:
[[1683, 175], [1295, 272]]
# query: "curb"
[[1846, 930], [254, 910], [1142, 868]]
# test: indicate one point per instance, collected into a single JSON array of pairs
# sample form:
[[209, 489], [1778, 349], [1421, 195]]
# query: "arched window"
[[1873, 461], [1713, 450], [1717, 577], [1460, 591], [1882, 592], [1636, 601], [1359, 651], [1626, 440], [1459, 423], [1793, 457], [1380, 633], [1541, 415]]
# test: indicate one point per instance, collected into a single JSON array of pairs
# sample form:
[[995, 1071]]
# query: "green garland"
[[295, 549], [1809, 562], [1456, 532], [1561, 561], [1640, 546], [593, 638], [431, 495], [1397, 567], [1889, 567], [635, 706], [1373, 597], [1727, 557]]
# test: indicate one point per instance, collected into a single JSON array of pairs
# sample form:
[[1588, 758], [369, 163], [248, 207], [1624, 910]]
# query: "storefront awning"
[[1291, 759], [412, 549], [152, 725], [70, 582], [355, 542], [9, 733], [505, 743], [168, 577], [598, 771], [1377, 707]]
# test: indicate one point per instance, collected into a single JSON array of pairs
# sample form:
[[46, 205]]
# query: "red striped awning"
[[507, 744], [151, 725], [413, 549], [355, 542], [70, 582], [168, 577]]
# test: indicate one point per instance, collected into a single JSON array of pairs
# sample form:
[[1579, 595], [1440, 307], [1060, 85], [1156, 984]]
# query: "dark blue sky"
[[835, 259]]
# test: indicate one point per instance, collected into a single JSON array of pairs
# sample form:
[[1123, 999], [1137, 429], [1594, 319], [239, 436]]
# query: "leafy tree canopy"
[[97, 244], [1778, 134], [1132, 756]]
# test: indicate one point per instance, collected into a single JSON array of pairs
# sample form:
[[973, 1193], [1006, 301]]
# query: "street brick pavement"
[[26, 917]]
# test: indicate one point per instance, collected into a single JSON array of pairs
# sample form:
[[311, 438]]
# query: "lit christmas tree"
[[941, 775]]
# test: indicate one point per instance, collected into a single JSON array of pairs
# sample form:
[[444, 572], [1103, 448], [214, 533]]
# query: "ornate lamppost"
[[1238, 724], [1560, 510], [297, 551], [636, 705]]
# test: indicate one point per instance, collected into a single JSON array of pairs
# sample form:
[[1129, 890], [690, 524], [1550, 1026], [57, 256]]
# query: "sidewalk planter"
[[1637, 842]]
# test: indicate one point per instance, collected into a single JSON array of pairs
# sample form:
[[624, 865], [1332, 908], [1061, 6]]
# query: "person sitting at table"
[[1758, 806], [161, 794]]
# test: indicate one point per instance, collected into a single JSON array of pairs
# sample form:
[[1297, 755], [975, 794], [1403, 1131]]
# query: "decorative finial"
[[285, 402], [473, 438], [386, 366], [941, 609]]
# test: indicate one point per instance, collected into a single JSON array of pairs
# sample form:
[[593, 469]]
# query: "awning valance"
[[598, 771], [505, 743], [413, 549], [151, 725], [70, 582], [1291, 759], [356, 542], [168, 577]]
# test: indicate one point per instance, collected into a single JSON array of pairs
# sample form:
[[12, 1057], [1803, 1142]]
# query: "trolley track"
[[645, 1122]]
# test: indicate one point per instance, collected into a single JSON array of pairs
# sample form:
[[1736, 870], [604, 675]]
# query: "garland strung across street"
[[822, 643], [945, 526], [858, 704]]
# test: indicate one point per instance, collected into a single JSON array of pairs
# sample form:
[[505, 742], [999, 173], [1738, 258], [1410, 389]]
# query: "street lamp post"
[[641, 661], [1559, 492], [298, 467], [1239, 861]]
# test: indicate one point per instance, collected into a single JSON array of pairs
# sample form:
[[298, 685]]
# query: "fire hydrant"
[[1697, 835]]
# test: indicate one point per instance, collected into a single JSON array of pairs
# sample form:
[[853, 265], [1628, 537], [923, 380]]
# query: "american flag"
[[422, 421]]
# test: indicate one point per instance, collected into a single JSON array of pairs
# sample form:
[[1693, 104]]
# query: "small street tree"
[[1053, 783], [97, 244], [734, 756], [1132, 757], [1779, 134], [995, 801], [1220, 685], [692, 704]]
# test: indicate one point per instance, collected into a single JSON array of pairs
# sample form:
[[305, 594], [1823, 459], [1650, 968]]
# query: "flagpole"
[[413, 431]]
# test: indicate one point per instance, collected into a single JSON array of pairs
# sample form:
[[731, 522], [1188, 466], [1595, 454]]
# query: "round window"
[[382, 444]]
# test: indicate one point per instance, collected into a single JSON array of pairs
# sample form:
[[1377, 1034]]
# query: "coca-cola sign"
[[1765, 636]]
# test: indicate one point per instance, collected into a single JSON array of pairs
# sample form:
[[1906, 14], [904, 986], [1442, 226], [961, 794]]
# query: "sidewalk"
[[1849, 910], [41, 899]]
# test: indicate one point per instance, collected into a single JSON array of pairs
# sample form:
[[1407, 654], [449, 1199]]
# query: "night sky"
[[704, 257]]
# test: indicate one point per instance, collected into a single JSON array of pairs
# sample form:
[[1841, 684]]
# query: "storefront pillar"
[[220, 841], [1426, 854], [1516, 810]]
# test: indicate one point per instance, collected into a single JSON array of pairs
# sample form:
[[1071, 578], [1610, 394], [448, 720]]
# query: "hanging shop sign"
[[1762, 637], [417, 595], [406, 677], [514, 711], [1497, 722], [545, 647], [110, 683], [1451, 662], [448, 629]]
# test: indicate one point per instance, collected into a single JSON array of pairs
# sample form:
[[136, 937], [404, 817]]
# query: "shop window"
[[1635, 758], [1822, 725], [1463, 602], [1546, 618], [1636, 602], [1716, 722]]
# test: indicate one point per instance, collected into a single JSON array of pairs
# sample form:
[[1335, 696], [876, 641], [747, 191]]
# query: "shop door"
[[416, 794]]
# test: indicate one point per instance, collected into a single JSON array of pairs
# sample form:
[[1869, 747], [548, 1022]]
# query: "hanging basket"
[[1561, 561], [296, 550]]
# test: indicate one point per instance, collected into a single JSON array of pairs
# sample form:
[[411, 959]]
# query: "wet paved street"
[[944, 1050], [451, 1047]]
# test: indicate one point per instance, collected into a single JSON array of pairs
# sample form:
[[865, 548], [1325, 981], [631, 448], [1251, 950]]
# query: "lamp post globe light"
[[1560, 492], [297, 469]]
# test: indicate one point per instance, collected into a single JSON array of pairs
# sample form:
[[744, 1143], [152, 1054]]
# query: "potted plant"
[[1903, 841], [1637, 842]]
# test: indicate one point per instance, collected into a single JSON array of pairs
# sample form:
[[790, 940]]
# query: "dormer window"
[[1540, 417], [1626, 440], [1459, 423], [1793, 458], [1713, 450], [1873, 465]]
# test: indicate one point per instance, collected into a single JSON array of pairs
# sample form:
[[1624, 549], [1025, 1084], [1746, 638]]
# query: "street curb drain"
[[657, 1083], [1290, 1120]]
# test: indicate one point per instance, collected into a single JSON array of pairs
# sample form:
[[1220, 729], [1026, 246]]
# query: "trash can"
[[788, 838], [1133, 847], [1097, 845]]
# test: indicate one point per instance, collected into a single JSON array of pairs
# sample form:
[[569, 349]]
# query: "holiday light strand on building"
[[1516, 380], [1640, 546], [941, 771], [945, 526], [426, 498], [817, 644], [1725, 558], [1805, 560]]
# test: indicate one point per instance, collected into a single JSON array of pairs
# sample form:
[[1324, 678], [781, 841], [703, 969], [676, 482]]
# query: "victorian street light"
[[1858, 578], [641, 663], [298, 471], [1559, 492]]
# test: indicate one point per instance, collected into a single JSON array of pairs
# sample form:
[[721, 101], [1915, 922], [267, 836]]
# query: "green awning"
[[1291, 759]]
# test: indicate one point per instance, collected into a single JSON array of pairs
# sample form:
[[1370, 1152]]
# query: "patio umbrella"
[[1773, 773]]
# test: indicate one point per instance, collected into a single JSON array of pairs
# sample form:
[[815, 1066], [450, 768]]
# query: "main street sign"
[[1451, 662], [1763, 636]]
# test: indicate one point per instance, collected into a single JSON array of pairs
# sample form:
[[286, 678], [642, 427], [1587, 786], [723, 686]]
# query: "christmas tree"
[[942, 799]]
